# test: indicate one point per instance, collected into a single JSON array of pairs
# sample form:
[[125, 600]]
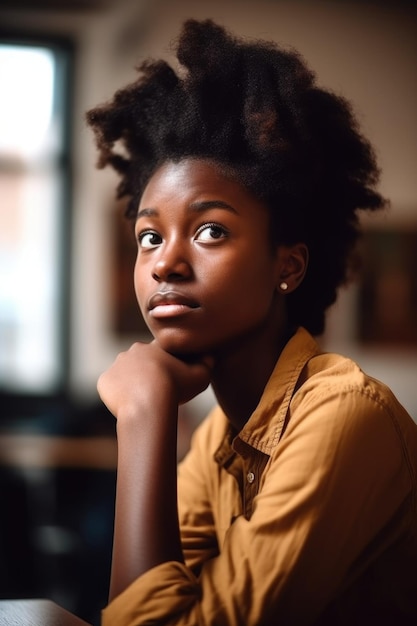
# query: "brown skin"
[[207, 280]]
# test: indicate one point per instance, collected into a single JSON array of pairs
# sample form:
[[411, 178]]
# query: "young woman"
[[297, 501]]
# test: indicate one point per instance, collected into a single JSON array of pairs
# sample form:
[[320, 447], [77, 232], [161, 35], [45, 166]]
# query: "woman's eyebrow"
[[198, 207], [146, 213], [205, 205]]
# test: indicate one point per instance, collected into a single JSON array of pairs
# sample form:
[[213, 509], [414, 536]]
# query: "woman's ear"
[[293, 261]]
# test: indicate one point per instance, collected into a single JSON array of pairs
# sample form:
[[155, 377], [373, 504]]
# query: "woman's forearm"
[[146, 530]]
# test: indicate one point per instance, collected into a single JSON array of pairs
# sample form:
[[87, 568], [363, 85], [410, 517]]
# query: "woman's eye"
[[209, 233], [149, 239]]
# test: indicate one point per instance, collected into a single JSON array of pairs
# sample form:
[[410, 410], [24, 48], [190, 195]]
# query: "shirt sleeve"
[[331, 486]]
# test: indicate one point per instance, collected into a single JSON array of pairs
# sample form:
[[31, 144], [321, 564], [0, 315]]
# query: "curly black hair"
[[256, 109]]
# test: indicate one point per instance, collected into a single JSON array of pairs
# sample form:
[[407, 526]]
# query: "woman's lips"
[[170, 304]]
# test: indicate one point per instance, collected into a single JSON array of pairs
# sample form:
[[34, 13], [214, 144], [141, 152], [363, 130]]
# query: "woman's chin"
[[184, 350]]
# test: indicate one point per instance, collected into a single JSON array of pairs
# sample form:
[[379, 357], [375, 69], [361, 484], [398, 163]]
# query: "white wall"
[[366, 51]]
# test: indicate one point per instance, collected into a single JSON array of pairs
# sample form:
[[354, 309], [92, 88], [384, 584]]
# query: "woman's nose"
[[171, 265]]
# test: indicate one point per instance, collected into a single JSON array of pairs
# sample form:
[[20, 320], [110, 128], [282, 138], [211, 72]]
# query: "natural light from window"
[[30, 220]]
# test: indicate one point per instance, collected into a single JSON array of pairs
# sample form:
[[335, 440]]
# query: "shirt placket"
[[253, 465]]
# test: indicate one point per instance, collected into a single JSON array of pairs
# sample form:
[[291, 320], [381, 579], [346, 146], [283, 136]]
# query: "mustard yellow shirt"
[[307, 516]]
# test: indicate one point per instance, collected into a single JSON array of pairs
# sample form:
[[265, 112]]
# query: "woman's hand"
[[146, 371]]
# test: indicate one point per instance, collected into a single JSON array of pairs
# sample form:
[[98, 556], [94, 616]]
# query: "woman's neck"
[[241, 373]]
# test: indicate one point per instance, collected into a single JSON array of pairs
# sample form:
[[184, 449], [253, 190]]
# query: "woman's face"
[[206, 274]]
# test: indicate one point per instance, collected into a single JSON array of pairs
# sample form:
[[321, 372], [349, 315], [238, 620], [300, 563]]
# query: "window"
[[34, 177]]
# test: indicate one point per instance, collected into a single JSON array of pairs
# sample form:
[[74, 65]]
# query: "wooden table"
[[47, 451], [36, 613]]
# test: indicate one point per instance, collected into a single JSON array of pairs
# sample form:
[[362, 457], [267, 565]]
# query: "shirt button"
[[250, 477]]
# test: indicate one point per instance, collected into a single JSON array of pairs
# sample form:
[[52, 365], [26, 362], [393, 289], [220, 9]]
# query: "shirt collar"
[[264, 428]]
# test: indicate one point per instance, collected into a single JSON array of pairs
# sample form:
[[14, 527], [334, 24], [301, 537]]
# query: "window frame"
[[28, 404]]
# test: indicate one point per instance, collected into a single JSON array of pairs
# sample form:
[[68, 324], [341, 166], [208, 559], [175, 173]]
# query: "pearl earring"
[[283, 286]]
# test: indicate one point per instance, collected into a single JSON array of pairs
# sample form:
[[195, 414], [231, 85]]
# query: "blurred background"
[[66, 256]]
